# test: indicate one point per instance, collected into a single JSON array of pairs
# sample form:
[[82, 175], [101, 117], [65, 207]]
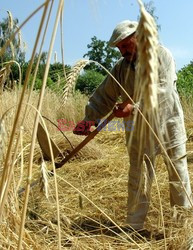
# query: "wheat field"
[[84, 204], [92, 191]]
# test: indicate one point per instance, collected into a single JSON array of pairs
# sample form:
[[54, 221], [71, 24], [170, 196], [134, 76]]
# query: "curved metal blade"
[[43, 142]]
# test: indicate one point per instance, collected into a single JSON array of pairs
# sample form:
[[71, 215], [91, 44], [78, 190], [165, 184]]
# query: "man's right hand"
[[83, 127]]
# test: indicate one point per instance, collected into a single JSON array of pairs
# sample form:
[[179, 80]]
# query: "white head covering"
[[121, 31]]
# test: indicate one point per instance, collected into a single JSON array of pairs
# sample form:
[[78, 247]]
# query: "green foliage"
[[185, 80], [56, 71], [56, 78], [89, 81], [100, 52], [38, 83]]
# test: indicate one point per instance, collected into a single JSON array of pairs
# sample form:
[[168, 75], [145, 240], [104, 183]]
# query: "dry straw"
[[8, 164], [34, 133], [9, 160]]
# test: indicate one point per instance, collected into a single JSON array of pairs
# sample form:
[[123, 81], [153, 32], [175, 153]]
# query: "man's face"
[[128, 48]]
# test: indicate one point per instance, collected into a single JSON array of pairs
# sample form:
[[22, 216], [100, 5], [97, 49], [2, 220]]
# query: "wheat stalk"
[[22, 158], [62, 42], [3, 139], [39, 55]]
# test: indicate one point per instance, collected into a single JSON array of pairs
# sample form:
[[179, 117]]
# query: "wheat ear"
[[71, 79], [147, 64], [145, 91], [10, 20], [44, 178]]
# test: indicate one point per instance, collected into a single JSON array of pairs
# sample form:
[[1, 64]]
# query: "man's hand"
[[123, 109], [83, 127]]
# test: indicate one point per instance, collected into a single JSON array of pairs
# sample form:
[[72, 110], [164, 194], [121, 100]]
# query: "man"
[[171, 117]]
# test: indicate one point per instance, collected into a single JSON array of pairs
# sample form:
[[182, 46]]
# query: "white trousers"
[[139, 184]]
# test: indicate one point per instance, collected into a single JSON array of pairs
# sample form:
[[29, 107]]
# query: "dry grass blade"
[[71, 79]]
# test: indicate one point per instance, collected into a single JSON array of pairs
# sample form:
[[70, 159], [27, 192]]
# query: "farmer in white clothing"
[[171, 115]]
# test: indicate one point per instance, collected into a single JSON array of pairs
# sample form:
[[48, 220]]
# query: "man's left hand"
[[123, 109]]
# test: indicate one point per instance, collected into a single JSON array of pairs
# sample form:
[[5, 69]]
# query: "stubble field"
[[85, 206]]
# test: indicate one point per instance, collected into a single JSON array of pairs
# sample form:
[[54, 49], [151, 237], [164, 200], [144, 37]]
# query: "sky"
[[84, 19]]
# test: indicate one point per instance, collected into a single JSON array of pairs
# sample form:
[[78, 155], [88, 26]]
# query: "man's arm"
[[101, 102]]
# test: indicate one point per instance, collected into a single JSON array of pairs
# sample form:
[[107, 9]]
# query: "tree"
[[89, 81], [185, 80], [102, 53], [57, 72]]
